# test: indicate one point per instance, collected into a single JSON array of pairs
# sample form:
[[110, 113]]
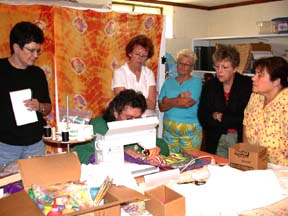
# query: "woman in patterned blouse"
[[266, 115]]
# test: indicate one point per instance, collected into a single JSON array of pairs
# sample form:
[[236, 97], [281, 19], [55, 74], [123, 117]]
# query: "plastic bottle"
[[54, 211], [31, 194], [68, 207], [98, 150], [46, 209]]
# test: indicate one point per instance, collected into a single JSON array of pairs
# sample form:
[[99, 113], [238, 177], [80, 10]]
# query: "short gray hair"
[[187, 53]]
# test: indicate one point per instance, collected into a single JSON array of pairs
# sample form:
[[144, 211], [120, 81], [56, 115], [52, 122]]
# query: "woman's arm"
[[45, 108], [244, 137], [34, 104], [151, 100], [117, 90], [168, 104], [180, 102]]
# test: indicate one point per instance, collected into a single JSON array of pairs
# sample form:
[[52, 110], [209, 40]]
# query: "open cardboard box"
[[261, 47], [54, 169], [164, 201], [247, 157]]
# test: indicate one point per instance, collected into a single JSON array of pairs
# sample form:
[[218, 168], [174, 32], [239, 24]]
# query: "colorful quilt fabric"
[[173, 161]]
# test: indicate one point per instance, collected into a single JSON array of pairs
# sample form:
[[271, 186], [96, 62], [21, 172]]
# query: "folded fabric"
[[172, 161]]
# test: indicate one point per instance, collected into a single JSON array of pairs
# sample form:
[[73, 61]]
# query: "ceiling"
[[204, 4]]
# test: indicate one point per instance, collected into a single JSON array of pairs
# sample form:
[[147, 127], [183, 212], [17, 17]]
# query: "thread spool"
[[65, 136], [47, 131], [53, 133]]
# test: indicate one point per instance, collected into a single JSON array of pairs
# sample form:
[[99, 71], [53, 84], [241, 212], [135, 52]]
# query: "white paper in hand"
[[22, 114]]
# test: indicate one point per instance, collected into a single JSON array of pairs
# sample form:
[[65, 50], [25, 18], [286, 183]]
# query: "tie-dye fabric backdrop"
[[81, 49]]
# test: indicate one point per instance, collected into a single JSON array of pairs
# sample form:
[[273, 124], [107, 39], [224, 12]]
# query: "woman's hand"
[[186, 94], [32, 104], [217, 116]]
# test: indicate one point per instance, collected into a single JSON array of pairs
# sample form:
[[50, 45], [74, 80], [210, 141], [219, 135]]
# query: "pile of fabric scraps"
[[174, 160], [78, 194], [136, 209]]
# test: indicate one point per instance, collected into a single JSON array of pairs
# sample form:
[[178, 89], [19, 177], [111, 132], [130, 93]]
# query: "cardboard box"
[[164, 201], [247, 157], [261, 47], [54, 169]]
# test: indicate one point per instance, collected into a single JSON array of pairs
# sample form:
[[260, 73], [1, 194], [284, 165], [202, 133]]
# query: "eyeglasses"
[[140, 55], [218, 67], [184, 64], [124, 116], [38, 51]]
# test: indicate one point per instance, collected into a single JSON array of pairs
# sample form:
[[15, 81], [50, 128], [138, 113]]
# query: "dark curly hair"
[[143, 41], [228, 52], [127, 97], [276, 66], [25, 32]]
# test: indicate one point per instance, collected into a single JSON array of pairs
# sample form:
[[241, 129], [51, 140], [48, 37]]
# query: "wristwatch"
[[41, 108]]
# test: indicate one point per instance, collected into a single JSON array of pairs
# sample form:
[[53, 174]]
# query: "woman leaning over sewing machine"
[[128, 104], [266, 115]]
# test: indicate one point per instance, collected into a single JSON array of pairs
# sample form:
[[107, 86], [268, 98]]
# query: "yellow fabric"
[[181, 137], [268, 125]]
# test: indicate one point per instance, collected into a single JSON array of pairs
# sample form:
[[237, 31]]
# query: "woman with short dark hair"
[[128, 104], [20, 140], [266, 115]]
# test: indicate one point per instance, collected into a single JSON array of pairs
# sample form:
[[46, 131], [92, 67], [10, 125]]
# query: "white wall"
[[242, 20], [187, 24], [194, 23]]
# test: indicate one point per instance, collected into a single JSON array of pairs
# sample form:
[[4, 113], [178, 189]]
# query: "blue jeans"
[[11, 153]]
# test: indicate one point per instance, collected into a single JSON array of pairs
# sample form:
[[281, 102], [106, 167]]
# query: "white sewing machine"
[[110, 148]]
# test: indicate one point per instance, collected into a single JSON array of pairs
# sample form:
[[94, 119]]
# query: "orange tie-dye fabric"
[[81, 49], [89, 46]]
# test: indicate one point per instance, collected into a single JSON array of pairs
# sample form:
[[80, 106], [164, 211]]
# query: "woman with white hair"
[[179, 100]]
